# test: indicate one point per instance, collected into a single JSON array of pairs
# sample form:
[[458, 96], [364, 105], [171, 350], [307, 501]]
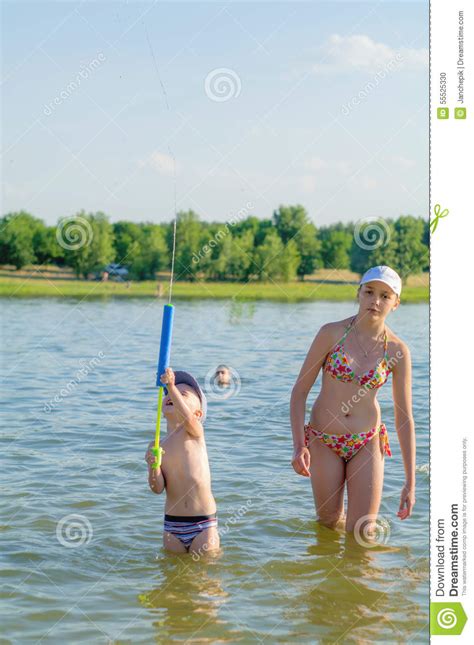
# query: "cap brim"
[[379, 280]]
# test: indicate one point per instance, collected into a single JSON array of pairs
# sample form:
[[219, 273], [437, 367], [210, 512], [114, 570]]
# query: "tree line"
[[286, 246]]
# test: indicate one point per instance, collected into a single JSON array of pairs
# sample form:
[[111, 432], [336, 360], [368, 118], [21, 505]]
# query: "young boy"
[[190, 509]]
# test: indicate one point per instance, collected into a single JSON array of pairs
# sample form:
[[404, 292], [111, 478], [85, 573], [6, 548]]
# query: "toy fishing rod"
[[164, 357], [163, 363]]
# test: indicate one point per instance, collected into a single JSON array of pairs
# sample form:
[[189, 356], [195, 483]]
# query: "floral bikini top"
[[337, 365]]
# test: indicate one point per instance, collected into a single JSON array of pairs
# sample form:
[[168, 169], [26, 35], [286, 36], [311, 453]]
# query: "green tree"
[[374, 243], [127, 240], [267, 256], [241, 263], [250, 223], [87, 242], [336, 244], [275, 260], [293, 223], [46, 247], [17, 231], [223, 256], [263, 228], [412, 253], [230, 256], [141, 247], [398, 244], [189, 243], [153, 253], [290, 262], [214, 248], [426, 242]]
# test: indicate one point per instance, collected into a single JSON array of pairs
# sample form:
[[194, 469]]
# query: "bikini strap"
[[347, 330], [385, 337], [385, 344]]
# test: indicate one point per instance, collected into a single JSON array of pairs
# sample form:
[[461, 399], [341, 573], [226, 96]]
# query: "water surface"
[[73, 445]]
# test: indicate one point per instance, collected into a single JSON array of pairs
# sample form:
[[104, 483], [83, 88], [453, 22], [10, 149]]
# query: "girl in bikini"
[[345, 442]]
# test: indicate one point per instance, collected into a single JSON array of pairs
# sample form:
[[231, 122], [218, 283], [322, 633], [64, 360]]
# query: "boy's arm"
[[192, 425], [156, 479]]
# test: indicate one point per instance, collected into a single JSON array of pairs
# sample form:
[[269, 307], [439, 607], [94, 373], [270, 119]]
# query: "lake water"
[[82, 554]]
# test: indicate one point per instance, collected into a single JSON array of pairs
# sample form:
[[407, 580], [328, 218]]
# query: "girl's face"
[[376, 300]]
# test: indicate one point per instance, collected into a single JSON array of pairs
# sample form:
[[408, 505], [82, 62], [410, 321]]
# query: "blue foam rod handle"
[[165, 343]]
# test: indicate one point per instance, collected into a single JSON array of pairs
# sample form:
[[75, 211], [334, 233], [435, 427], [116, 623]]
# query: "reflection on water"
[[240, 311], [186, 597], [359, 585], [281, 576]]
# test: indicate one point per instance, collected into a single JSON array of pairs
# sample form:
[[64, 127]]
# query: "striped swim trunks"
[[187, 527]]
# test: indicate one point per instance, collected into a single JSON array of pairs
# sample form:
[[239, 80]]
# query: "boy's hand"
[[150, 457], [168, 377], [156, 479]]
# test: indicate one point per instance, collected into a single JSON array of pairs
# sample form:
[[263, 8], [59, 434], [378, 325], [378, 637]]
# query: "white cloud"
[[368, 183], [161, 162], [360, 52], [307, 183], [364, 181], [317, 167], [316, 163], [402, 162]]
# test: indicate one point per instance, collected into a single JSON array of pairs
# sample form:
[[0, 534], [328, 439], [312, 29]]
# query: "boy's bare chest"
[[179, 445]]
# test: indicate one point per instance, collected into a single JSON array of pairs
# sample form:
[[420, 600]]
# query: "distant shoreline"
[[278, 292]]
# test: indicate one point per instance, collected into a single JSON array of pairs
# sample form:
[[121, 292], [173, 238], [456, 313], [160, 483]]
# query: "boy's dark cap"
[[186, 378]]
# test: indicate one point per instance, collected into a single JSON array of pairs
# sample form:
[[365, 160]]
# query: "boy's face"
[[190, 397]]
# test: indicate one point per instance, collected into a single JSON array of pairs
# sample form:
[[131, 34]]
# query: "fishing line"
[[168, 309]]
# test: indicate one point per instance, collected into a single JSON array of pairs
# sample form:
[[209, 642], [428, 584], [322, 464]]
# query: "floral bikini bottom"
[[347, 445]]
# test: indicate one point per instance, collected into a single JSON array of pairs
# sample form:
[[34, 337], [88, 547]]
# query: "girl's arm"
[[306, 378], [405, 426]]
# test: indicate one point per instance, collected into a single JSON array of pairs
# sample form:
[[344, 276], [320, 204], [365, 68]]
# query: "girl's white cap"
[[385, 274]]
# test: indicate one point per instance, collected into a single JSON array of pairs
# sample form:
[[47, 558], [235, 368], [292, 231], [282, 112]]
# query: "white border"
[[452, 385]]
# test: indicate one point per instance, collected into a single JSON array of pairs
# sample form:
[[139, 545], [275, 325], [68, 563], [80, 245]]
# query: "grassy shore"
[[27, 287]]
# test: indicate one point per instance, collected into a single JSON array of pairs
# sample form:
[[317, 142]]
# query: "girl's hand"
[[407, 502], [168, 377], [301, 461]]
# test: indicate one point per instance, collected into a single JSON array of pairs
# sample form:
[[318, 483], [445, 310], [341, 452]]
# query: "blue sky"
[[299, 123]]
